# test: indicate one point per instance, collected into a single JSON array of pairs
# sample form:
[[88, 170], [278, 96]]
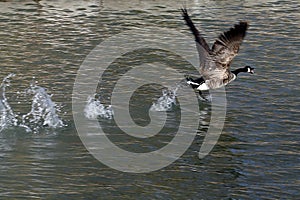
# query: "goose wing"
[[215, 62], [199, 39], [208, 67], [227, 46], [202, 47]]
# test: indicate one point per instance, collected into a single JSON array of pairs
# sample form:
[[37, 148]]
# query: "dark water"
[[257, 155]]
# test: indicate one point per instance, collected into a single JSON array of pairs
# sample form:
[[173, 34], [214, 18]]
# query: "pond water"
[[44, 43]]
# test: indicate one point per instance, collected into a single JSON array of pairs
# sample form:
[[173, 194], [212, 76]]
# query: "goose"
[[215, 62]]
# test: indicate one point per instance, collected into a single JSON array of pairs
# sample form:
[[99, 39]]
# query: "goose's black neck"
[[239, 70]]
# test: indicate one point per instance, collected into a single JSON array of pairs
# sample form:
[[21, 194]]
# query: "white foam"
[[94, 109], [43, 109], [7, 116], [166, 101]]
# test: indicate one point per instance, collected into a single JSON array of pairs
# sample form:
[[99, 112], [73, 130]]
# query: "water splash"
[[43, 110], [42, 113], [166, 101], [7, 116], [94, 109]]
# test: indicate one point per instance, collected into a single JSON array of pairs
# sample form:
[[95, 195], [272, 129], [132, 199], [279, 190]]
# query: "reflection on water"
[[256, 157]]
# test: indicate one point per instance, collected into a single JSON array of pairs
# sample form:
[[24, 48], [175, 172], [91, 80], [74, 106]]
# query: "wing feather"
[[199, 39], [205, 53], [228, 44]]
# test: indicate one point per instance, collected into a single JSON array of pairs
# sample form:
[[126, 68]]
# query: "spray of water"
[[43, 110], [42, 114], [94, 109], [166, 101], [7, 116]]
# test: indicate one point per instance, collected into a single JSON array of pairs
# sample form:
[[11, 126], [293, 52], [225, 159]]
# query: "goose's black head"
[[244, 69], [249, 69]]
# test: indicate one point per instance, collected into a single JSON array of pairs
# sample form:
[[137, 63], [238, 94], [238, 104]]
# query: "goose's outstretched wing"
[[194, 30], [202, 47], [228, 44]]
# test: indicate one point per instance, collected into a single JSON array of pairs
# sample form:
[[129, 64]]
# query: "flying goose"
[[215, 62]]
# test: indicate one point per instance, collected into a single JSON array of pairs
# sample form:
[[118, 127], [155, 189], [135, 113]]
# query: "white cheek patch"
[[249, 70]]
